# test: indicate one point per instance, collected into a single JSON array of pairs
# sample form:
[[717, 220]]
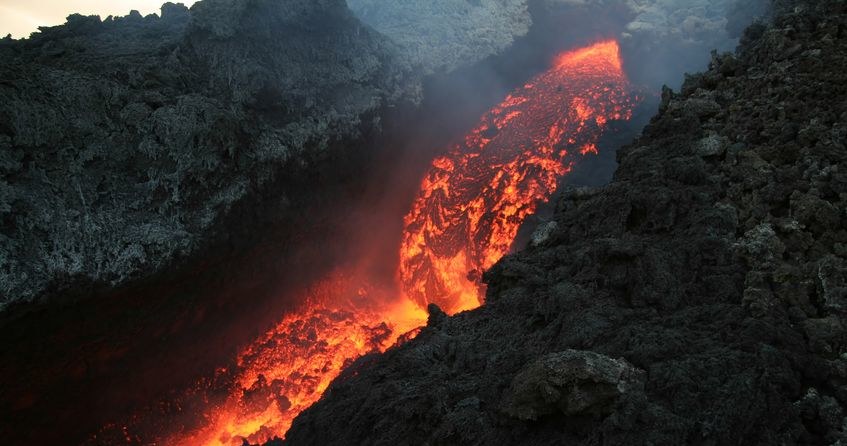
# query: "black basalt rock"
[[139, 134]]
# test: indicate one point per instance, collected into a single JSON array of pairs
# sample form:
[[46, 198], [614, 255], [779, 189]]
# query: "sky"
[[22, 17]]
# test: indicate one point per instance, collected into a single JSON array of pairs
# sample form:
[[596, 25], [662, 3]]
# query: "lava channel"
[[465, 217]]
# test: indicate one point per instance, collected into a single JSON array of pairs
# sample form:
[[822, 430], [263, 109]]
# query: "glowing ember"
[[473, 200], [464, 219]]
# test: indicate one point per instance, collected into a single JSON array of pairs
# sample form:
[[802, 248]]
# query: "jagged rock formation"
[[443, 34], [715, 262], [572, 383], [123, 142]]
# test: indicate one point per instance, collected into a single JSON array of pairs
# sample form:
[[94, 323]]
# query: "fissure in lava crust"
[[466, 215]]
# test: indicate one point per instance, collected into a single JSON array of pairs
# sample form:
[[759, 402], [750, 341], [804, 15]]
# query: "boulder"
[[571, 383]]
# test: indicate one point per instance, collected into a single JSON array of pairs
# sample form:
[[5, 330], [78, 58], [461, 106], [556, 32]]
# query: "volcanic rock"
[[124, 142], [571, 382], [543, 233], [440, 35]]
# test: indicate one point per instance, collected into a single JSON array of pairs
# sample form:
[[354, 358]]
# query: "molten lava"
[[474, 199], [470, 206], [288, 369]]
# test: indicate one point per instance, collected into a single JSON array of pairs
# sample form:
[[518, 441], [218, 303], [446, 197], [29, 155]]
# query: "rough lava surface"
[[440, 35], [699, 298], [123, 141]]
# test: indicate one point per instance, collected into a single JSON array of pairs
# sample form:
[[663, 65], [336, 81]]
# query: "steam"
[[667, 38], [662, 39], [441, 35]]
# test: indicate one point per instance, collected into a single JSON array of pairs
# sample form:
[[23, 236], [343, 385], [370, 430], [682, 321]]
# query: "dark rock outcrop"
[[124, 141], [571, 382], [714, 262]]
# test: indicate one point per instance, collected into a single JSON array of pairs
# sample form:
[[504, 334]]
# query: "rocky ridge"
[[124, 141], [698, 298]]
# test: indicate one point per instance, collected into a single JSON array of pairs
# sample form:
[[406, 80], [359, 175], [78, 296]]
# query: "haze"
[[22, 17]]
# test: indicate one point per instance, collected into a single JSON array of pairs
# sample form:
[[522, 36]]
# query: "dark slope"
[[124, 142], [713, 265]]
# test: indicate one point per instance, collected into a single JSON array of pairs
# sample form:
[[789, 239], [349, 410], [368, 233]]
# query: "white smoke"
[[440, 35]]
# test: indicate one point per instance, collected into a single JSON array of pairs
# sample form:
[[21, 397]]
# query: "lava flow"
[[466, 215], [287, 370], [474, 199]]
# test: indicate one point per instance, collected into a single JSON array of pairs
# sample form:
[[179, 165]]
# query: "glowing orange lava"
[[474, 199], [464, 219], [289, 368]]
